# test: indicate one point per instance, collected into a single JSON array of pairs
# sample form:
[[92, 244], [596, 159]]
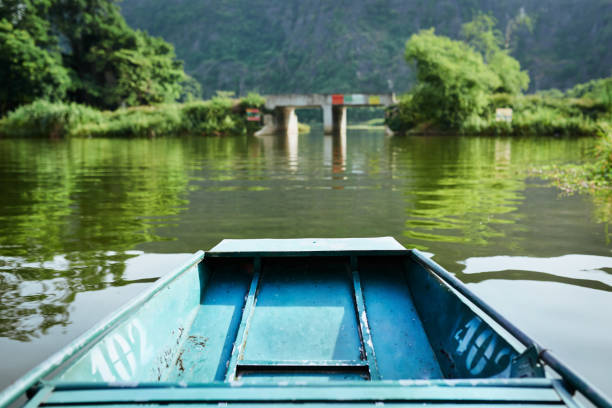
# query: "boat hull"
[[309, 322]]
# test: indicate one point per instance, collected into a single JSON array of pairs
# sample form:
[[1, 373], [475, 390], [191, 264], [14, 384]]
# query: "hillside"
[[358, 45]]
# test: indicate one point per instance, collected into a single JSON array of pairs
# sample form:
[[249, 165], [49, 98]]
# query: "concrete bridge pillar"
[[339, 116], [282, 120], [334, 119], [290, 121], [328, 119]]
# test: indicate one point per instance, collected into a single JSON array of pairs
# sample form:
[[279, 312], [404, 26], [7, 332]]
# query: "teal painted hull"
[[311, 322]]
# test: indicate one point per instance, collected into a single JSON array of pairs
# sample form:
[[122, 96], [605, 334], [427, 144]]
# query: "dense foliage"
[[27, 72], [83, 51], [461, 84], [598, 90], [485, 38], [330, 46], [218, 116], [453, 82]]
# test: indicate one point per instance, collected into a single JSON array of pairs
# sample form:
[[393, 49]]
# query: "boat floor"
[[305, 319]]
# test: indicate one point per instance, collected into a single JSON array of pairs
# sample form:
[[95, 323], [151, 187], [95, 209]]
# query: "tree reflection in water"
[[78, 198], [71, 211]]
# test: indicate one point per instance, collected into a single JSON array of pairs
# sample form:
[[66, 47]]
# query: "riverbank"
[[214, 117], [372, 124], [532, 115]]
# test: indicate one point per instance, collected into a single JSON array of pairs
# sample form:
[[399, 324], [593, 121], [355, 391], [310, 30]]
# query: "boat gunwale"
[[316, 391], [395, 391], [56, 360], [570, 379], [533, 382], [308, 254]]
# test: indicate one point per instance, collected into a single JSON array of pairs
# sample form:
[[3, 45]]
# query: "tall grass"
[[47, 119], [542, 121], [218, 116]]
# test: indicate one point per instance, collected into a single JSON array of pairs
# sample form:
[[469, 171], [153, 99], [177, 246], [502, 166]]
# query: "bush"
[[218, 116], [599, 90], [541, 121], [46, 119], [253, 100], [143, 121], [586, 107]]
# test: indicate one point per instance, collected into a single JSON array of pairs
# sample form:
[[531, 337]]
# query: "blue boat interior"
[[302, 318], [357, 322], [303, 322]]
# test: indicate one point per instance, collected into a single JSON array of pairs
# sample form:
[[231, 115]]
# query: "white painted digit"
[[468, 332], [484, 358], [145, 350], [99, 365], [129, 355]]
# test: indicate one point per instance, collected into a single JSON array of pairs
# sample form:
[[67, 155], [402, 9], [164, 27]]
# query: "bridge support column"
[[328, 120], [283, 120], [334, 119], [339, 115], [270, 126], [290, 121]]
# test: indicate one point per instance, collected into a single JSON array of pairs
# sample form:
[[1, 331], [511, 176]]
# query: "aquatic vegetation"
[[594, 176]]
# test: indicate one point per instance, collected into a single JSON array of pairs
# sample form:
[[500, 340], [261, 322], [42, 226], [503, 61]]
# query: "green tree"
[[508, 69], [27, 72], [85, 51], [32, 17], [481, 34], [453, 84], [111, 64]]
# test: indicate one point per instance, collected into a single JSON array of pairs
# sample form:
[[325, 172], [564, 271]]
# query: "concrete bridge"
[[284, 120]]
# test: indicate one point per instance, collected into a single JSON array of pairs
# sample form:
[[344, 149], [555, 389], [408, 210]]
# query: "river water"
[[87, 223]]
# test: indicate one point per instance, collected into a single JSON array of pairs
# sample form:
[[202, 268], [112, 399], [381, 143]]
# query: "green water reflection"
[[74, 213], [65, 207], [477, 186]]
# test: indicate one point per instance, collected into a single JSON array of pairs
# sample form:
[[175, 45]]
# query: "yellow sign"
[[374, 100]]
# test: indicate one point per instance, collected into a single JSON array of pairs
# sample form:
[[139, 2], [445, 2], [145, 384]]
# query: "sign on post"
[[253, 115], [503, 115]]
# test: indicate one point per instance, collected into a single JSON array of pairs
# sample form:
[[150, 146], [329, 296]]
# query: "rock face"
[[324, 46]]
